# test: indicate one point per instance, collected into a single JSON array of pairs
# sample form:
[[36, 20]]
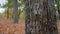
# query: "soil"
[[8, 27]]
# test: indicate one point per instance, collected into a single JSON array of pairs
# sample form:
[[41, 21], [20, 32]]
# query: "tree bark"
[[51, 18], [40, 17], [33, 19]]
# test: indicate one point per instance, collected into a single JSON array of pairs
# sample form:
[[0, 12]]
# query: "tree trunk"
[[51, 18], [19, 13], [40, 17], [7, 13], [33, 17], [15, 11], [59, 13]]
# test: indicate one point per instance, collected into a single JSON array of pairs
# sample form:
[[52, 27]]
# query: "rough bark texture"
[[52, 22], [40, 17]]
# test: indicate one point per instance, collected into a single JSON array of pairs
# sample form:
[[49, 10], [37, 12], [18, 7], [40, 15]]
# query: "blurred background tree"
[[10, 11]]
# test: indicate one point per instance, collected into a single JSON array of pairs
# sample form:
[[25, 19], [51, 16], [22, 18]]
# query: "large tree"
[[33, 17], [40, 17]]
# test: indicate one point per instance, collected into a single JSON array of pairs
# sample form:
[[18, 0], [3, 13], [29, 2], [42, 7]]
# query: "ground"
[[8, 27], [58, 24]]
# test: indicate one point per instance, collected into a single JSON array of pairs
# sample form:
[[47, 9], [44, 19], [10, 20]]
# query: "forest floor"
[[8, 27], [58, 24]]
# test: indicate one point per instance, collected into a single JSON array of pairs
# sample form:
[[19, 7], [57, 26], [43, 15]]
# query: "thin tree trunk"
[[7, 13], [19, 13], [59, 13], [15, 11]]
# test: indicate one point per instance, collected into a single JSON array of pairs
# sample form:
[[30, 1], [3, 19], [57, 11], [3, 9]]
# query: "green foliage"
[[58, 4], [10, 3]]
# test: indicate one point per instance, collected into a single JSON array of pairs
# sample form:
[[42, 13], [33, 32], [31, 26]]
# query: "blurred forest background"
[[13, 11], [9, 9]]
